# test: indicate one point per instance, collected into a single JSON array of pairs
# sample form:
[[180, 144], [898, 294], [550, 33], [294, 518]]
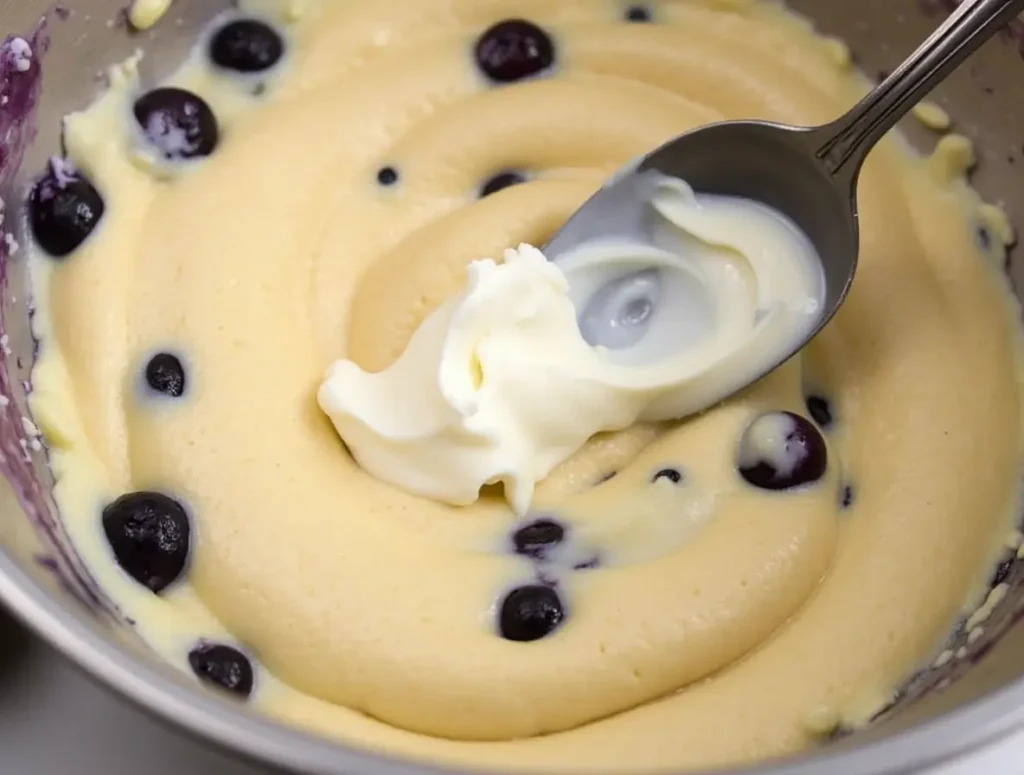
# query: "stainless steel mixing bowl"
[[941, 713]]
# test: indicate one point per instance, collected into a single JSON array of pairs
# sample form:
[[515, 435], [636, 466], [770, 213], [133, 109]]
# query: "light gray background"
[[54, 721]]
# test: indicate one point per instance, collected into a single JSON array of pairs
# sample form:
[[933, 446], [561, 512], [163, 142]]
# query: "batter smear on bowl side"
[[309, 188]]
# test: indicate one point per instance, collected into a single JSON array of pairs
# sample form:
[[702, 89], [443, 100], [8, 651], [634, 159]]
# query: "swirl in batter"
[[314, 183]]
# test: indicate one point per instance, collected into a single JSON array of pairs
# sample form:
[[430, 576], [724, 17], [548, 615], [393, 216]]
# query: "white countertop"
[[54, 721]]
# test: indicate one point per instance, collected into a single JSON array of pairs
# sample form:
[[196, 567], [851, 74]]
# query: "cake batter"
[[310, 187]]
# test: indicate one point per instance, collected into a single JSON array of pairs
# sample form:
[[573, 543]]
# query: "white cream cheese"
[[510, 378]]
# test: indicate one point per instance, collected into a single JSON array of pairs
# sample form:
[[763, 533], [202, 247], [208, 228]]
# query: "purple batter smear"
[[23, 459]]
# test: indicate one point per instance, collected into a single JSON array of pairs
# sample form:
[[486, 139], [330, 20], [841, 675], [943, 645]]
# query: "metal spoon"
[[808, 173]]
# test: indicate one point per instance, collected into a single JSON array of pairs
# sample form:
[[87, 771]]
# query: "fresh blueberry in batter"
[[514, 49], [165, 374], [180, 124], [149, 535], [847, 497], [538, 538], [63, 213], [781, 461], [821, 410], [529, 613], [246, 46], [500, 181], [222, 666], [638, 13], [672, 474], [387, 176]]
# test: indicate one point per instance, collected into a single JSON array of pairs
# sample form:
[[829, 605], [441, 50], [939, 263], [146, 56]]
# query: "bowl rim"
[[223, 724], [262, 741]]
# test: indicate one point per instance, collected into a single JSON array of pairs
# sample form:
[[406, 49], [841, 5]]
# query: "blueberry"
[[500, 181], [821, 410], [847, 498], [529, 613], [177, 122], [63, 213], [166, 375], [638, 13], [514, 49], [782, 450], [671, 474], [246, 46], [222, 666], [149, 535], [538, 538], [387, 176]]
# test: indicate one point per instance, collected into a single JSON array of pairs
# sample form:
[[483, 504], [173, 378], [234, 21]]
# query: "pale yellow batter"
[[723, 622]]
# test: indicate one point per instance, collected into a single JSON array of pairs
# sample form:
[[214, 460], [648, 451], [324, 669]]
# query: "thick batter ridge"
[[725, 588]]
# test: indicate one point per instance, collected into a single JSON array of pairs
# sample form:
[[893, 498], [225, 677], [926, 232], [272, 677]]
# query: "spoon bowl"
[[775, 164], [808, 174]]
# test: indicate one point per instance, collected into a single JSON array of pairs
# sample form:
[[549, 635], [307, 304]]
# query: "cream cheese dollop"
[[511, 377]]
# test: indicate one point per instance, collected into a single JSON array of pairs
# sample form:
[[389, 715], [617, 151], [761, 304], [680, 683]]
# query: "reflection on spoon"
[[618, 316], [710, 271]]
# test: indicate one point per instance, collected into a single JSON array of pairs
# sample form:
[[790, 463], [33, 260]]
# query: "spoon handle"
[[847, 140]]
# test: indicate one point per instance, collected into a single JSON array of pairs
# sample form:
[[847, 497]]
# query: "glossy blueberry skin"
[[387, 176], [62, 214], [530, 613], [150, 536], [224, 667], [165, 374], [178, 123], [246, 46], [820, 410], [806, 444], [514, 49], [671, 474], [538, 538]]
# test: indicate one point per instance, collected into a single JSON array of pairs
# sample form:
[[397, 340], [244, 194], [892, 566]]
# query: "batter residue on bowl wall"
[[310, 186]]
